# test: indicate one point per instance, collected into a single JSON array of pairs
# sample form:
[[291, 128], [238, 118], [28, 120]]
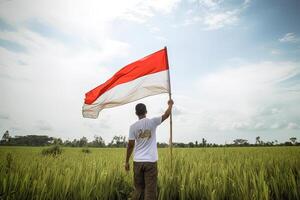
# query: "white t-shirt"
[[144, 134]]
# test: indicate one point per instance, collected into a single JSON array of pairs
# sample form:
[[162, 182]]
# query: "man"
[[142, 137]]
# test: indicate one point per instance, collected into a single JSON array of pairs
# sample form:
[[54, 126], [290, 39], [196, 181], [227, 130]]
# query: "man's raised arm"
[[168, 111]]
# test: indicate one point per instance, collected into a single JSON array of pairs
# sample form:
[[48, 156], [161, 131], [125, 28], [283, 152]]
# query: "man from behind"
[[142, 138]]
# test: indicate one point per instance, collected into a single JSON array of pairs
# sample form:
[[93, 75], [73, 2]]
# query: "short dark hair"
[[140, 109]]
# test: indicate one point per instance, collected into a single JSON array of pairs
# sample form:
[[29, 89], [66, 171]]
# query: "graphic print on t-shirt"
[[144, 134]]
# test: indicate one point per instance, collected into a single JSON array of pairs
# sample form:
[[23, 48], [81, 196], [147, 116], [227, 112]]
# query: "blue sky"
[[235, 66]]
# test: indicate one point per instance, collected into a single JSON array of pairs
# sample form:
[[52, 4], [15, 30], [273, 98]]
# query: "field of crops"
[[204, 173]]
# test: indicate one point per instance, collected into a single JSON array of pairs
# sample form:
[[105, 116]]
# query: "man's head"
[[140, 109]]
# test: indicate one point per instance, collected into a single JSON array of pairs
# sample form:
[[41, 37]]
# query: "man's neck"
[[142, 116]]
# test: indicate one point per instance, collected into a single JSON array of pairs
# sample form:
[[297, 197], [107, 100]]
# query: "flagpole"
[[170, 97]]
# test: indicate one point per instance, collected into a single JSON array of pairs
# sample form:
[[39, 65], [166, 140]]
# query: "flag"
[[142, 78]]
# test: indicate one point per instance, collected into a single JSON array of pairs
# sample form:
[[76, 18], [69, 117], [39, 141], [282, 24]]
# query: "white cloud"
[[215, 21], [249, 97], [43, 88], [293, 125], [57, 76], [275, 52], [86, 19], [43, 126], [4, 117], [289, 37], [154, 29], [214, 15], [208, 4], [140, 11], [160, 38], [191, 20]]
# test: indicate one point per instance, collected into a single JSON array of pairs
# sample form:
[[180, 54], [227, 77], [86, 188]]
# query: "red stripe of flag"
[[150, 64]]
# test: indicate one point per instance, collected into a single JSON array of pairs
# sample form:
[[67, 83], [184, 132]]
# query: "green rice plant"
[[86, 150], [53, 150], [204, 173], [9, 162]]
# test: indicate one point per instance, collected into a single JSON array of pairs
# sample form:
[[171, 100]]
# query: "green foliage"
[[86, 150], [9, 162], [53, 150], [197, 173], [118, 141], [27, 140]]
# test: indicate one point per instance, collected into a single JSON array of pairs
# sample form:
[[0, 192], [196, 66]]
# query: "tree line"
[[120, 141]]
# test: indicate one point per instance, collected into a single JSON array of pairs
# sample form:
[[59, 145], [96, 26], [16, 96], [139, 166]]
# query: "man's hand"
[[168, 111], [127, 166], [130, 147]]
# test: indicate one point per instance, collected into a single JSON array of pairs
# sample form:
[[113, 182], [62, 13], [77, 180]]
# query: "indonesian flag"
[[142, 78]]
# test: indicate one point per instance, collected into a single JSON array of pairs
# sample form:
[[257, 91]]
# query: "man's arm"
[[130, 147], [168, 111]]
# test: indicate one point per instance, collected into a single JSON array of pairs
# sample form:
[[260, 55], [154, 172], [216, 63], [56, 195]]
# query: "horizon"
[[235, 69], [245, 142]]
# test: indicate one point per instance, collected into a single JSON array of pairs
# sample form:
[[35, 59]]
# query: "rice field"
[[198, 173]]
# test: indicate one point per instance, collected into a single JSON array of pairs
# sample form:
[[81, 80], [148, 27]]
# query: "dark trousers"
[[145, 180]]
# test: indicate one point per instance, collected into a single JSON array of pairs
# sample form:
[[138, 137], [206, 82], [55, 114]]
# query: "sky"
[[235, 66]]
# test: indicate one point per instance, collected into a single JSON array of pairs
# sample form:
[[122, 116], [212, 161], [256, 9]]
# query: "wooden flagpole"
[[170, 96]]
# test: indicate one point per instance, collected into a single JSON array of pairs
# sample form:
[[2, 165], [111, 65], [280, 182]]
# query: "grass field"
[[204, 173]]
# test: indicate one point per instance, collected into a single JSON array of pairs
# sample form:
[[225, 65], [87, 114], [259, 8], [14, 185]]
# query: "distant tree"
[[268, 143], [191, 144], [5, 137], [180, 145], [58, 141], [215, 145], [83, 141], [240, 142], [29, 140], [163, 145], [67, 143], [293, 140], [204, 142], [196, 143], [75, 143], [118, 141], [98, 141], [257, 140], [288, 144]]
